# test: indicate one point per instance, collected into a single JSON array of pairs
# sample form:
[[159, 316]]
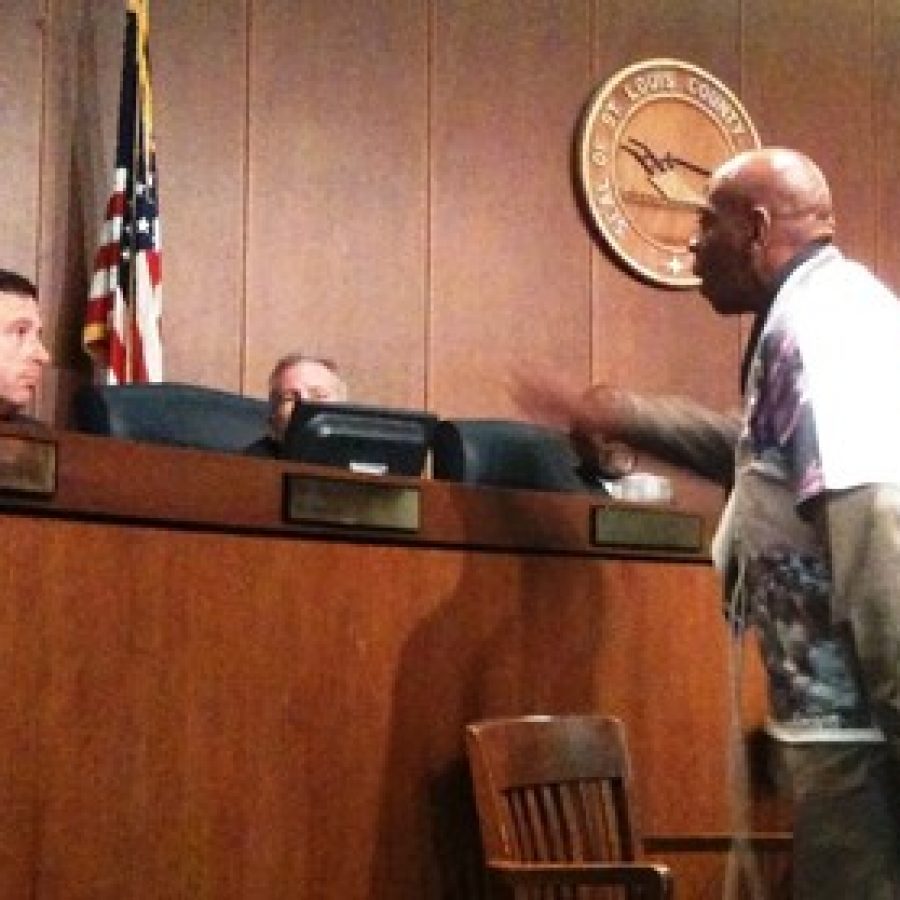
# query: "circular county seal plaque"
[[651, 136]]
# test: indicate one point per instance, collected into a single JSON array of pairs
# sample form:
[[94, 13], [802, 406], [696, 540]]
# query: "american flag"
[[122, 319]]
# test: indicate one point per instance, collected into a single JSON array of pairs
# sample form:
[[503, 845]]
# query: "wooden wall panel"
[[886, 115], [200, 93], [646, 337], [20, 126], [389, 183], [21, 122], [25, 28], [81, 93], [815, 95], [337, 191], [62, 270], [509, 254]]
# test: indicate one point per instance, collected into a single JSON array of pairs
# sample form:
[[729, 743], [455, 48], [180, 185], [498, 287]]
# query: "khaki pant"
[[864, 544], [846, 821]]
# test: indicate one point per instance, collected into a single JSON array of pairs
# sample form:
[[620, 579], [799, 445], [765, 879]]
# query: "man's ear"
[[761, 225]]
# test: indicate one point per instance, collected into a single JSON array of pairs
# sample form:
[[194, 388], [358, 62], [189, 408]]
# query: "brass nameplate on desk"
[[358, 504], [651, 529], [27, 465]]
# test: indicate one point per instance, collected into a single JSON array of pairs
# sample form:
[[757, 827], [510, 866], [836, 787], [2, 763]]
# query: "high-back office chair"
[[555, 809], [185, 415], [505, 453]]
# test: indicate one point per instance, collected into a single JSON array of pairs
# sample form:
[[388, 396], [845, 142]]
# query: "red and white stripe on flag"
[[122, 328]]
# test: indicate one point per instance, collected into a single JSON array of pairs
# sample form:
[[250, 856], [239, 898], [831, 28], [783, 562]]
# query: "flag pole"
[[136, 150], [131, 302]]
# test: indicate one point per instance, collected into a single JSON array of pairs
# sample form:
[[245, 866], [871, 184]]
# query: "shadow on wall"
[[80, 160], [472, 659], [71, 365]]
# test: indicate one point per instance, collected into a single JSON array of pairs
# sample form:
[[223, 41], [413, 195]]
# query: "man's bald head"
[[789, 186], [764, 207]]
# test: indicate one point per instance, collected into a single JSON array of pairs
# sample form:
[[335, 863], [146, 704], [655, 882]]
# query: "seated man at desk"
[[294, 378], [22, 351]]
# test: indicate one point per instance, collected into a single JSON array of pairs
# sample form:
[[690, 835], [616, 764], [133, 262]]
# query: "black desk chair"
[[504, 453], [172, 413]]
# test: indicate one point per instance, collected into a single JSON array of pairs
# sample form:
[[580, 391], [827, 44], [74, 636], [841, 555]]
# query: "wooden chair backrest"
[[553, 789]]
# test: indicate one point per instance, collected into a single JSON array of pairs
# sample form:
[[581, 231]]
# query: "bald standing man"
[[809, 543]]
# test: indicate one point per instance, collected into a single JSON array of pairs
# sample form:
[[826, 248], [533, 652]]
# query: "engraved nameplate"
[[325, 501], [27, 465], [627, 527]]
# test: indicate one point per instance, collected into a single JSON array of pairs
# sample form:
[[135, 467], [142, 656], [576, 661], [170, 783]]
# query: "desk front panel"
[[202, 714]]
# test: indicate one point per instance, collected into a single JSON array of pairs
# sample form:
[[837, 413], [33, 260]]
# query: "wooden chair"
[[555, 811]]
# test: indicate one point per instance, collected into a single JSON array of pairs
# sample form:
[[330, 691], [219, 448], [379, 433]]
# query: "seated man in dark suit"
[[22, 351], [295, 378]]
